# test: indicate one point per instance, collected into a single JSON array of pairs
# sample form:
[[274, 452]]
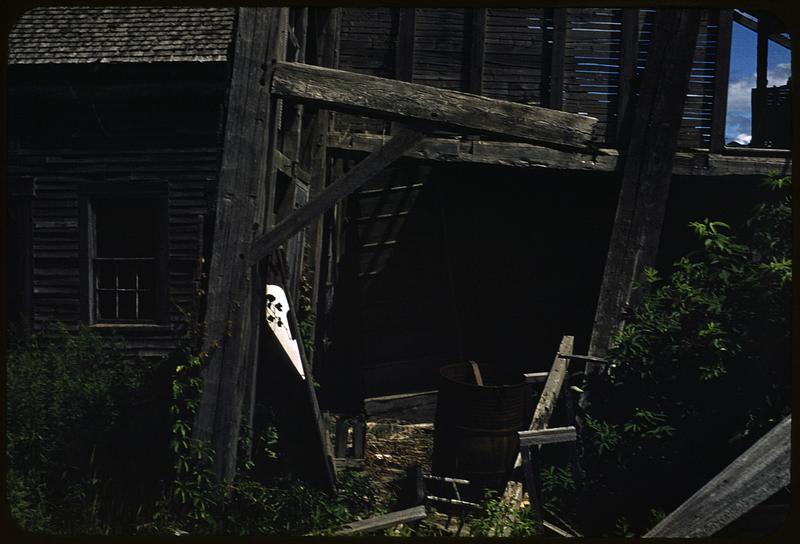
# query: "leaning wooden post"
[[230, 319], [646, 174], [753, 477]]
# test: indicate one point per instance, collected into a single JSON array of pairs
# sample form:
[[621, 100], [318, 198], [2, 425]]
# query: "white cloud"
[[739, 90], [743, 139], [739, 94], [779, 75]]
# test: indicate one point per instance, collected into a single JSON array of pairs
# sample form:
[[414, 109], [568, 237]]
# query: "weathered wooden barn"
[[475, 244]]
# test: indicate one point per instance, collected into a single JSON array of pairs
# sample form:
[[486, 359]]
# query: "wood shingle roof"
[[58, 35]]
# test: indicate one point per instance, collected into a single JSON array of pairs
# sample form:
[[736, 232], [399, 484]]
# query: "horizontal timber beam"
[[360, 174], [408, 102], [523, 155]]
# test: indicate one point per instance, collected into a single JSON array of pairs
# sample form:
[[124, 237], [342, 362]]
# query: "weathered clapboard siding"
[[190, 175], [513, 55], [591, 65]]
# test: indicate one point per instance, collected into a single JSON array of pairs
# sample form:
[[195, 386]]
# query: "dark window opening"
[[125, 263]]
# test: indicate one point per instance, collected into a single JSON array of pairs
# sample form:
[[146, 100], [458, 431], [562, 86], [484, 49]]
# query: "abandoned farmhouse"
[[418, 187]]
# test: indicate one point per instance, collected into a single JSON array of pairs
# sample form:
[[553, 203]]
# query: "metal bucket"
[[475, 430]]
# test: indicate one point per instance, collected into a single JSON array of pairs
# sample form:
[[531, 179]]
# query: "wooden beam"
[[552, 387], [323, 50], [522, 155], [231, 320], [385, 521], [752, 478], [411, 407], [533, 377], [544, 408], [354, 179], [402, 101], [753, 25], [721, 75], [645, 176], [539, 437], [556, 99], [477, 49]]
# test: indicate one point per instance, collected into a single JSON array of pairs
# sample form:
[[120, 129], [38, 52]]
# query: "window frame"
[[91, 195]]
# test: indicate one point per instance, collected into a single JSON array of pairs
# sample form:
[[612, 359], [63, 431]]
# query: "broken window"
[[124, 257]]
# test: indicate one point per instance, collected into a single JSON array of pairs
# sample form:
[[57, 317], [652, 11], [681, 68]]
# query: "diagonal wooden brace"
[[405, 140]]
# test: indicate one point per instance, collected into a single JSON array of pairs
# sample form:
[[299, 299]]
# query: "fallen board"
[[385, 521], [753, 477], [408, 102]]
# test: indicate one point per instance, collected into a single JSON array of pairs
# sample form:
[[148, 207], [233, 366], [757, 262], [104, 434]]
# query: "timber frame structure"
[[365, 156], [277, 116]]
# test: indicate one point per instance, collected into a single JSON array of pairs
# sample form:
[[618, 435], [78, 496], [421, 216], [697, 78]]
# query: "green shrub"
[[699, 371], [499, 518], [66, 394]]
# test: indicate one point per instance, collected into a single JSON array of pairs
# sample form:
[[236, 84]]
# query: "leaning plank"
[[552, 387], [546, 436], [363, 172], [385, 521], [523, 155], [749, 480], [402, 101], [541, 415]]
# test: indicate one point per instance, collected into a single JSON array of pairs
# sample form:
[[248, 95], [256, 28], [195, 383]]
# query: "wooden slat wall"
[[696, 125], [515, 64], [367, 47], [513, 55], [190, 176], [440, 57], [591, 65]]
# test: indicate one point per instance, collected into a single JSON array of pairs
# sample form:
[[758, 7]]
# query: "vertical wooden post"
[[477, 50], [232, 309], [645, 174], [322, 50], [629, 55], [721, 74], [556, 98]]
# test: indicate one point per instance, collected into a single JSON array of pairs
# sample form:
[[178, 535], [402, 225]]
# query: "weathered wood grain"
[[372, 96], [552, 387], [384, 522], [752, 478], [646, 176], [410, 407], [229, 317], [355, 178], [546, 436], [523, 155]]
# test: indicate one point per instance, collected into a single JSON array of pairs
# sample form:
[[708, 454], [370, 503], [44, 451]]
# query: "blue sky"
[[743, 78]]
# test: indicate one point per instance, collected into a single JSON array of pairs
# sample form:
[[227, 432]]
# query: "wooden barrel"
[[475, 430]]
